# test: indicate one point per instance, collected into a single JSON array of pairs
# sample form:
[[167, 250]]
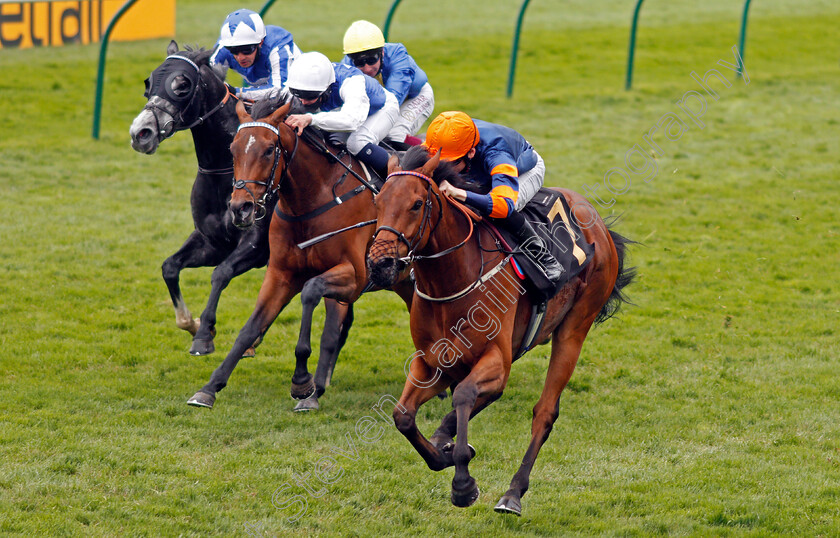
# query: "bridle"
[[176, 114], [413, 243], [427, 217], [269, 183]]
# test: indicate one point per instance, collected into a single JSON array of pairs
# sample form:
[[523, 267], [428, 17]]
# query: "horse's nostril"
[[144, 134]]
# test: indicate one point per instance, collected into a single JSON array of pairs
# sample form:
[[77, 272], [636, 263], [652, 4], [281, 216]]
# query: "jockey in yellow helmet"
[[366, 49]]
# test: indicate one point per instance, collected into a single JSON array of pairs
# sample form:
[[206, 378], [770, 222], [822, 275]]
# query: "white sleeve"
[[352, 113]]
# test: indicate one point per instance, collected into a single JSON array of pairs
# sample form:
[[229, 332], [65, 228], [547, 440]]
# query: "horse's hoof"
[[509, 505], [202, 399], [250, 352], [304, 390], [202, 347], [309, 404], [466, 497]]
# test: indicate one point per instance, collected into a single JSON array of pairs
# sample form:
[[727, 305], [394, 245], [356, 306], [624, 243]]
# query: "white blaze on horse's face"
[[251, 141]]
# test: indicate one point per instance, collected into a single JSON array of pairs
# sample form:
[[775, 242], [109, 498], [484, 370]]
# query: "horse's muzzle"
[[243, 215], [385, 271]]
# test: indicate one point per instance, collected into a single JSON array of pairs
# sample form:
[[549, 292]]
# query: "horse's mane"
[[199, 55], [417, 156], [265, 107]]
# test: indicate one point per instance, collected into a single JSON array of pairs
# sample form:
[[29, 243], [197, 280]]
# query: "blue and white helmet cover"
[[242, 27]]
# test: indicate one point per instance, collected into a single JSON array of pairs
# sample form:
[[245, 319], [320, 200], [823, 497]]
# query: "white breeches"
[[376, 126], [413, 113], [530, 182]]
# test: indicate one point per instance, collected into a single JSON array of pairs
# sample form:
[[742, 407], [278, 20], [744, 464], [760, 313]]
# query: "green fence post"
[[515, 51], [387, 28], [100, 72], [629, 81], [265, 7], [743, 35]]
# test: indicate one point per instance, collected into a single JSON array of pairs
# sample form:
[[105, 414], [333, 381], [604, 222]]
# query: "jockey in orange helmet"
[[502, 161]]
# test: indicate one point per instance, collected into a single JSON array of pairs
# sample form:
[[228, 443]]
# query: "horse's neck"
[[212, 138], [455, 271], [311, 177]]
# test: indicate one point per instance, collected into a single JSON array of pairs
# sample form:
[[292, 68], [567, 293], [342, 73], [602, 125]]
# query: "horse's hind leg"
[[565, 350], [332, 339]]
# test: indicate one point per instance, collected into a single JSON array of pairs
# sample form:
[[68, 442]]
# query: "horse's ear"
[[242, 113], [278, 115], [394, 164], [431, 165], [172, 48]]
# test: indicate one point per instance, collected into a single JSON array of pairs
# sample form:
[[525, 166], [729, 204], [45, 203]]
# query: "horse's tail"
[[625, 277]]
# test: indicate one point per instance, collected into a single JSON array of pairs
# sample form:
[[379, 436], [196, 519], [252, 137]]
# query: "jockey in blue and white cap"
[[261, 54], [365, 48], [349, 101]]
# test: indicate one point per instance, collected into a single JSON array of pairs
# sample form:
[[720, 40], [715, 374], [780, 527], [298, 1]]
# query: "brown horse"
[[316, 195], [467, 326]]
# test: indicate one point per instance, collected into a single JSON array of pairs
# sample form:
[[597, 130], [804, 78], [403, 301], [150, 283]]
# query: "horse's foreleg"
[[486, 380], [423, 384], [248, 254], [275, 294], [340, 281], [331, 342], [339, 320], [445, 433], [193, 253]]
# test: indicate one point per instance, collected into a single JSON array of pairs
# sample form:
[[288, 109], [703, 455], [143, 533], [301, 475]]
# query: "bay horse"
[[465, 334], [318, 194], [185, 92]]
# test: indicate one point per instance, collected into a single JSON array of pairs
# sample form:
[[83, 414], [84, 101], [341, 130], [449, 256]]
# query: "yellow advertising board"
[[50, 24]]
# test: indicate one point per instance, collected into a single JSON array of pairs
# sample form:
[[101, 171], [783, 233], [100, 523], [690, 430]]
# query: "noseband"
[[427, 217], [270, 188]]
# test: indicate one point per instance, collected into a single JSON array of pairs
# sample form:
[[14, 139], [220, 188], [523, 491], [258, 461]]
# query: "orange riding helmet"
[[453, 133]]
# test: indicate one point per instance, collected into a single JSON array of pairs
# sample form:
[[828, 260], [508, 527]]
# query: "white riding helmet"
[[362, 36], [242, 27], [311, 72]]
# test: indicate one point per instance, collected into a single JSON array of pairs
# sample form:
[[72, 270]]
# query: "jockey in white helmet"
[[365, 48], [349, 101], [261, 54]]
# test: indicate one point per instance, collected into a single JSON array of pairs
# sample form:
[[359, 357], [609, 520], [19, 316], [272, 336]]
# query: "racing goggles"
[[307, 95], [360, 60], [243, 49]]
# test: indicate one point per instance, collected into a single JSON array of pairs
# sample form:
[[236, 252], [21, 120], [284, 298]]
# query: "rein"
[[270, 188]]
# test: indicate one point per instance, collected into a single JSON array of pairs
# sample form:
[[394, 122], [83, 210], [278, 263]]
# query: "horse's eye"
[[417, 205], [148, 88], [181, 86], [269, 153]]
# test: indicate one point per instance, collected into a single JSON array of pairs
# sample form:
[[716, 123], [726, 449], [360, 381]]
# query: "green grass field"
[[709, 408]]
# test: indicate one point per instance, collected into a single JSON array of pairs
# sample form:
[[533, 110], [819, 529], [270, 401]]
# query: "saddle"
[[549, 214]]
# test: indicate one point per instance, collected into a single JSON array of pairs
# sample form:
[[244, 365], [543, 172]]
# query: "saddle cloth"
[[548, 213]]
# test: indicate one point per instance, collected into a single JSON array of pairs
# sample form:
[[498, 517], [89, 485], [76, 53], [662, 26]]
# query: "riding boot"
[[376, 158], [534, 246]]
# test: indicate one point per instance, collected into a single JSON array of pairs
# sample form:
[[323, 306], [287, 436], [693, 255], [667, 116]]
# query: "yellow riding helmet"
[[453, 133], [362, 36]]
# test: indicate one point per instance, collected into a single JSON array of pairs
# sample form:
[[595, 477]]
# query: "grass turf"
[[709, 408]]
